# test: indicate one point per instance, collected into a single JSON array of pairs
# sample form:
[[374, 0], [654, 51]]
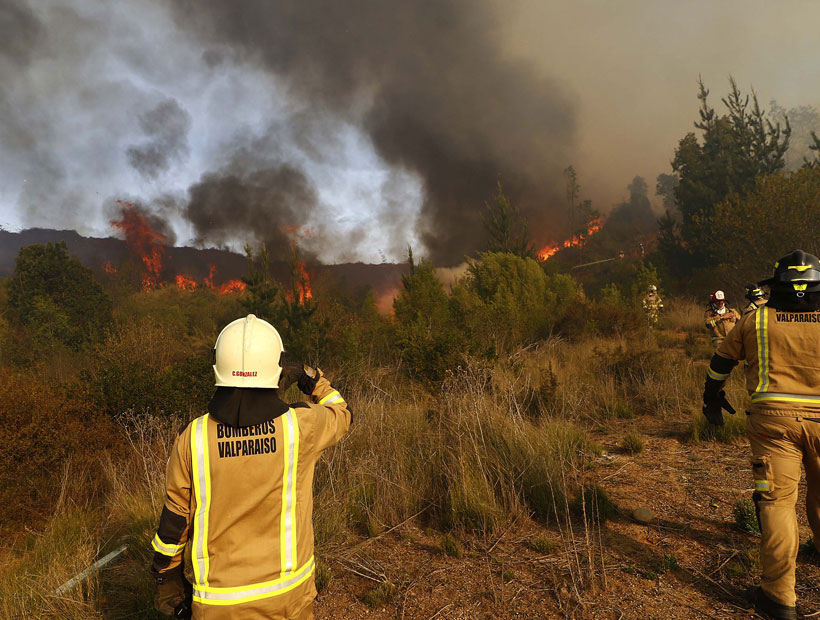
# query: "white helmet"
[[652, 288], [247, 354]]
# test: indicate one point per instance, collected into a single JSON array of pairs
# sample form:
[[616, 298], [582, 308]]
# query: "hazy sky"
[[368, 128], [634, 65]]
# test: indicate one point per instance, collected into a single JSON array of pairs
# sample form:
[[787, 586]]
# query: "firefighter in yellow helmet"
[[719, 317], [780, 343], [239, 487], [755, 296]]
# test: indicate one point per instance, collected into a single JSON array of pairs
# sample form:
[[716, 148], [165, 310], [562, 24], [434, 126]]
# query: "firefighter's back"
[[246, 555]]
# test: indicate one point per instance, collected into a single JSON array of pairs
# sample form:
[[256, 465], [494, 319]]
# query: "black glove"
[[184, 610], [173, 594], [290, 374], [308, 379], [713, 406]]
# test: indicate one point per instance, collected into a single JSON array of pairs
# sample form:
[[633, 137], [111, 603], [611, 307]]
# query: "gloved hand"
[[290, 374], [713, 406], [308, 379], [173, 594]]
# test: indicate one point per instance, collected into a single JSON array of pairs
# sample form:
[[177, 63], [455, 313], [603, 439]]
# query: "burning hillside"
[[577, 241], [148, 247]]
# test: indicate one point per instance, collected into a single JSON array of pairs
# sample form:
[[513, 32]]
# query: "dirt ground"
[[693, 562]]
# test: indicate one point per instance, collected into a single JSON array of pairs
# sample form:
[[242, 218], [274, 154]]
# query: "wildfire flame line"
[[149, 246], [579, 240]]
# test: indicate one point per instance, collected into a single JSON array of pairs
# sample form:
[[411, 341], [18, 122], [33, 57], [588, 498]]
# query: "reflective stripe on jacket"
[[246, 496], [781, 353]]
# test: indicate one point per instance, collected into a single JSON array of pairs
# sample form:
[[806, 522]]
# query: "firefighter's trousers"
[[210, 611], [779, 445]]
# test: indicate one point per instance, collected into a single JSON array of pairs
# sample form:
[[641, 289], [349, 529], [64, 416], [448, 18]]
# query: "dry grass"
[[498, 443], [684, 314]]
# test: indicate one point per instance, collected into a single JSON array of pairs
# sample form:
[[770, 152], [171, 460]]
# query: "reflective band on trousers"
[[287, 540], [761, 485], [762, 334], [164, 549], [759, 397], [244, 594], [202, 492], [289, 578]]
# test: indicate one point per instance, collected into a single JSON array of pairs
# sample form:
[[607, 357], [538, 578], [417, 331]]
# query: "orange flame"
[[109, 268], [185, 282], [578, 241], [143, 242], [209, 281], [301, 286], [232, 286]]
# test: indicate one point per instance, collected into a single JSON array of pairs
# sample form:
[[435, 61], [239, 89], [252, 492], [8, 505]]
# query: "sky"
[[358, 129]]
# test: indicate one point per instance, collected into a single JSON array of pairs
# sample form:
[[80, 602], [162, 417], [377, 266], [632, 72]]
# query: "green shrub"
[[734, 428], [142, 366], [379, 596], [632, 443], [670, 563], [56, 298], [43, 432], [427, 337], [506, 300], [617, 409], [449, 545], [542, 545], [322, 575], [746, 516]]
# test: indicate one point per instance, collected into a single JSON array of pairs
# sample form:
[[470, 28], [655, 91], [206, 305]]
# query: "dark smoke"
[[20, 31], [166, 126], [428, 82], [254, 205]]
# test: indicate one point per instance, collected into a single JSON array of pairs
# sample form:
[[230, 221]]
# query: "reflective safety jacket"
[[720, 324], [243, 498], [652, 302], [753, 305], [782, 353]]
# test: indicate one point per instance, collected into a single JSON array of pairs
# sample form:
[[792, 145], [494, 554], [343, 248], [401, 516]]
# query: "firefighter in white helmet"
[[239, 487], [652, 304], [720, 318]]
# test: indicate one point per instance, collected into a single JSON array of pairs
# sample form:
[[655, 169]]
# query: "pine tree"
[[506, 229]]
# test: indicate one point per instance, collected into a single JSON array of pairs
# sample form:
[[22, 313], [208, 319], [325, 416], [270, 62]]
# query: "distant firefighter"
[[756, 298], [652, 304], [720, 318]]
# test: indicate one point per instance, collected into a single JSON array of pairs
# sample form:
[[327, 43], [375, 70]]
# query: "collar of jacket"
[[239, 407]]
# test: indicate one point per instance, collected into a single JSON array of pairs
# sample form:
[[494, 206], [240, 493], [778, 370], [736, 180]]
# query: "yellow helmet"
[[247, 354]]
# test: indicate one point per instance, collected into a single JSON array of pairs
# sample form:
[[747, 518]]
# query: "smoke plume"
[[431, 87], [166, 127], [251, 204]]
